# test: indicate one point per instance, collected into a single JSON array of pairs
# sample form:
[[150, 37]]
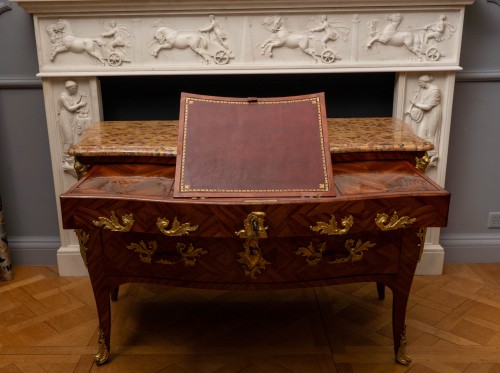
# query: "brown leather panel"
[[239, 147]]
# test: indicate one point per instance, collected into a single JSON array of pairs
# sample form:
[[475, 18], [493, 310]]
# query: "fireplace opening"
[[158, 97]]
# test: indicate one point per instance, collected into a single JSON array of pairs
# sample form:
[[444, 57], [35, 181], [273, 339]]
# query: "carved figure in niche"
[[201, 42], [416, 40], [426, 114], [283, 37], [63, 40], [72, 119]]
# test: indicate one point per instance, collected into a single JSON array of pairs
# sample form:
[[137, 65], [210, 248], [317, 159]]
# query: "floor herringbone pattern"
[[49, 324]]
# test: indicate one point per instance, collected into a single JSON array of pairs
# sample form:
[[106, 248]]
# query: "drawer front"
[[277, 220], [242, 261]]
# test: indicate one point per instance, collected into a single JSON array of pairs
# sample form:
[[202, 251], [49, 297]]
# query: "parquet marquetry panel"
[[49, 324]]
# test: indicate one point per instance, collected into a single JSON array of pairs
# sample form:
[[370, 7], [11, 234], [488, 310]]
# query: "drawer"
[[232, 261]]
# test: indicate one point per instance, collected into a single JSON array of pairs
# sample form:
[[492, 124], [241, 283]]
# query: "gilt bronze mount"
[[251, 258], [113, 224], [395, 222]]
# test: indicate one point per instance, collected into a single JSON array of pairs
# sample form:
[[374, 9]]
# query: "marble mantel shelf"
[[123, 6], [159, 138]]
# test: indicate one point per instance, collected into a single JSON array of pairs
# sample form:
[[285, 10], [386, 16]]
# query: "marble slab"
[[159, 138], [352, 135]]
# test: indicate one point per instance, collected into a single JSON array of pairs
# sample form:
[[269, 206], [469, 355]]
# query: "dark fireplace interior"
[[157, 97]]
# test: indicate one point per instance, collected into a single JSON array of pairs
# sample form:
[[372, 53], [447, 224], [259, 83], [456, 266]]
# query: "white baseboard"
[[70, 262], [431, 262]]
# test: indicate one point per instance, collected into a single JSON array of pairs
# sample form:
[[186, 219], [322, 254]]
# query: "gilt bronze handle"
[[315, 254], [112, 223], [395, 222], [188, 254], [331, 227], [177, 229]]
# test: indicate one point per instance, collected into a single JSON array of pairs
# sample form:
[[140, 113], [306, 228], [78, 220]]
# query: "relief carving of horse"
[[168, 38], [391, 35], [283, 37], [64, 40]]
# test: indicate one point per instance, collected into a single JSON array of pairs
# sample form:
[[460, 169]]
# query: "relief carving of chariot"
[[210, 42], [107, 48], [318, 49], [422, 42]]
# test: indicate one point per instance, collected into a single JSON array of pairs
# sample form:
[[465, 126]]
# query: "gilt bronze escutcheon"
[[251, 258]]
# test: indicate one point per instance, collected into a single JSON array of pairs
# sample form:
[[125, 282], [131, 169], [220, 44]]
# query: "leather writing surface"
[[253, 147]]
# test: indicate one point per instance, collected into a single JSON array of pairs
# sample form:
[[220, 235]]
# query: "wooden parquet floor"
[[49, 324]]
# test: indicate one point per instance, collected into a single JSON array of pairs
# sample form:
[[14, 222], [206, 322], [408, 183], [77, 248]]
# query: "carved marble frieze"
[[248, 41], [107, 48], [425, 41], [208, 42]]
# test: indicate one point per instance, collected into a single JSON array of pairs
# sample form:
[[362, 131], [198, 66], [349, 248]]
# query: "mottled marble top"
[[159, 138]]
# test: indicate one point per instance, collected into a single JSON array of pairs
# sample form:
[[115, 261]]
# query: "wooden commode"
[[132, 229]]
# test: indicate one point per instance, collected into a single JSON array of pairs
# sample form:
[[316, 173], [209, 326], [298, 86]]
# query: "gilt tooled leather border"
[[325, 187]]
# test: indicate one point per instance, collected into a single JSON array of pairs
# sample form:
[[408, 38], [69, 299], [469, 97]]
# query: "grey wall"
[[473, 174], [26, 184]]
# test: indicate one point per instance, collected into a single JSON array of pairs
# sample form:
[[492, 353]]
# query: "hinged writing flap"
[[255, 147]]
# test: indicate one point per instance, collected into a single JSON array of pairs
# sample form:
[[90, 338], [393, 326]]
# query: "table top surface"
[[159, 138]]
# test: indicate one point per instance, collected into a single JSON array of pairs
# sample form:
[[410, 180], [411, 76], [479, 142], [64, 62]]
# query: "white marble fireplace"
[[80, 41]]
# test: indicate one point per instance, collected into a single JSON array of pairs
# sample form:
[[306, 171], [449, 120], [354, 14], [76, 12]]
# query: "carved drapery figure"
[[426, 114], [72, 119]]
